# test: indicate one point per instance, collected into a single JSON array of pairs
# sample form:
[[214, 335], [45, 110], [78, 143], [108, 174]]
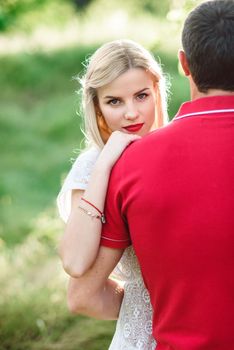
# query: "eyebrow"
[[117, 97]]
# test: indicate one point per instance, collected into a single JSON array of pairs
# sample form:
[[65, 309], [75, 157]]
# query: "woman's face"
[[128, 103]]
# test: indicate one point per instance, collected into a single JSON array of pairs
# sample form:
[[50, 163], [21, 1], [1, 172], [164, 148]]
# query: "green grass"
[[38, 322], [33, 311]]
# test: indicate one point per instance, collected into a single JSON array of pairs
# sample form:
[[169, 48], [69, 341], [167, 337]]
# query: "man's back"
[[175, 190], [173, 193]]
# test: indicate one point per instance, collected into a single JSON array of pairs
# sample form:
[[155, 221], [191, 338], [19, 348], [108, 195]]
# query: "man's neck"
[[195, 93]]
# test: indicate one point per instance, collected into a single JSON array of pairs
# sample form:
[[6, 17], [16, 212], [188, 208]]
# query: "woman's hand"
[[114, 147]]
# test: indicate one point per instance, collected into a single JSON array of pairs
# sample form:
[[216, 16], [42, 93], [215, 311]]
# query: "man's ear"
[[184, 63]]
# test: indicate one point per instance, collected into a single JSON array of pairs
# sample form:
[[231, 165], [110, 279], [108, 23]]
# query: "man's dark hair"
[[208, 42]]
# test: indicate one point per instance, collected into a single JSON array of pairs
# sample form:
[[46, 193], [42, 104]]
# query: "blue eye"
[[142, 96], [113, 102]]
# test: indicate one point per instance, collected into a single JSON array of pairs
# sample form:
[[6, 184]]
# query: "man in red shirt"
[[171, 195]]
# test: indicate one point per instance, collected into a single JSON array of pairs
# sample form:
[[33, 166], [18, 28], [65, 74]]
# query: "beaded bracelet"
[[101, 216]]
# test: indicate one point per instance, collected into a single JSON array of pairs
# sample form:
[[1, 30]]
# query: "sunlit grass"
[[33, 311]]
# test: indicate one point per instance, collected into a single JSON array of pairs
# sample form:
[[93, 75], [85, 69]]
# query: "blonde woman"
[[124, 98]]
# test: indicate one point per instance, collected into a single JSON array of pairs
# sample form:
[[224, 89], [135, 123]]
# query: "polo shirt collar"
[[207, 105]]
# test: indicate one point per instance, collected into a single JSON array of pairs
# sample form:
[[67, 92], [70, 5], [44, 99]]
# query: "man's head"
[[208, 44]]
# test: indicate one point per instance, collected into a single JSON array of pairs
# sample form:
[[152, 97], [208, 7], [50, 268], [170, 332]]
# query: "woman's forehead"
[[132, 81]]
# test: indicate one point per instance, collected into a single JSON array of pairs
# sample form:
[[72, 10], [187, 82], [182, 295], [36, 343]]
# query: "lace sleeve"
[[77, 179], [134, 325]]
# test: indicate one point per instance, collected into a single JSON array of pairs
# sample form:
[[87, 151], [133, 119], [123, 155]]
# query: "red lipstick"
[[134, 127]]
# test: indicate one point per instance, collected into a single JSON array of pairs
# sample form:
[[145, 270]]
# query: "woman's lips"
[[134, 127]]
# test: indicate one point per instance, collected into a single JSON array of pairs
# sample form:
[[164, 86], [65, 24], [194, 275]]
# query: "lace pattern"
[[128, 268], [134, 325]]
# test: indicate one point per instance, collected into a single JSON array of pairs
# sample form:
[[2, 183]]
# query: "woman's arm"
[[80, 242]]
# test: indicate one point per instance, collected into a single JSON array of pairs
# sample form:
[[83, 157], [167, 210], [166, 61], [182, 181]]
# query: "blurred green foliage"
[[39, 129], [14, 12], [158, 8], [82, 4], [11, 10]]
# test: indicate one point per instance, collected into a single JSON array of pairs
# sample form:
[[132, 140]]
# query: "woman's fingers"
[[115, 145]]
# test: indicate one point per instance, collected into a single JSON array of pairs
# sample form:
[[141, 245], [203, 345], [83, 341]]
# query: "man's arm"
[[94, 294]]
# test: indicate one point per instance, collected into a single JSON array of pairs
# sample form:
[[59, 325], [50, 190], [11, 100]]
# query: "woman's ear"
[[184, 62]]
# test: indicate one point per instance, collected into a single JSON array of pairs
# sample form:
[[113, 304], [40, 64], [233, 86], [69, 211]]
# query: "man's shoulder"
[[138, 151], [151, 140]]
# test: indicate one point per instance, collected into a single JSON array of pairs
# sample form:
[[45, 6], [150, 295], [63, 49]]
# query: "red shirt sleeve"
[[115, 232]]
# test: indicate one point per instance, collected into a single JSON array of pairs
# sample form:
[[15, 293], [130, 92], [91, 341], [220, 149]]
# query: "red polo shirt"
[[172, 196]]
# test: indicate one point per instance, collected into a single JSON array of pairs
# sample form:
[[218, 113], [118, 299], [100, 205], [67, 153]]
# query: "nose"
[[131, 114]]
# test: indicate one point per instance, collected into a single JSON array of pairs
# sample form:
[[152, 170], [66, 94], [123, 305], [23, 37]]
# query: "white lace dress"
[[134, 325]]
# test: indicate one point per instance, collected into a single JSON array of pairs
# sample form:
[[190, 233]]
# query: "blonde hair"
[[105, 65]]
